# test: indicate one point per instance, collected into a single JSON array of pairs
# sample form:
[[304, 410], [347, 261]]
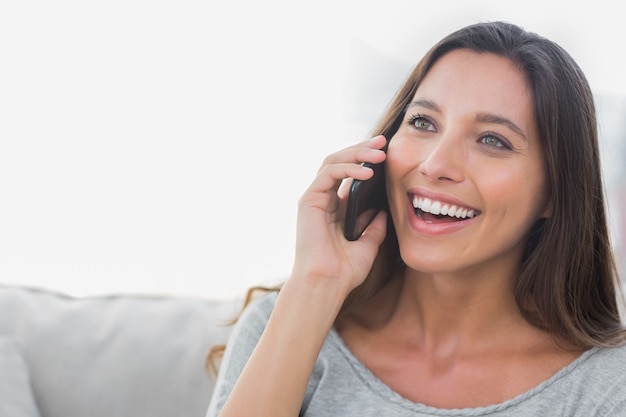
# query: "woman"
[[487, 287]]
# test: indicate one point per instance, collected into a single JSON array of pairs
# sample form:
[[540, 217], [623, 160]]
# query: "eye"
[[493, 141], [420, 122]]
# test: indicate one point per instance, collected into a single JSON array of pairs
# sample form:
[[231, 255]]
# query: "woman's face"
[[465, 171]]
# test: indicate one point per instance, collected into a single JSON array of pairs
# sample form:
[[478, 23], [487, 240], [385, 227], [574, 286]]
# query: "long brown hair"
[[568, 283]]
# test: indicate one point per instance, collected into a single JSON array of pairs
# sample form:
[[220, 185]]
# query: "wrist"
[[314, 299]]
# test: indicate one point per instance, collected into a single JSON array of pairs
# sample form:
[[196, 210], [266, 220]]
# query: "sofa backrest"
[[117, 355]]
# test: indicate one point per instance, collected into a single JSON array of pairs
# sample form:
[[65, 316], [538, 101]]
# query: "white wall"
[[161, 146]]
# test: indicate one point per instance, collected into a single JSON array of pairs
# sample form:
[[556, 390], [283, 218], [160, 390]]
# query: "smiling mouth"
[[436, 211]]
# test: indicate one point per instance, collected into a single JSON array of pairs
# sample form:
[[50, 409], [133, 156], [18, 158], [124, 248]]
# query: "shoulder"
[[604, 369], [602, 364], [598, 381], [261, 305], [248, 329], [609, 361], [607, 374], [243, 339], [255, 316]]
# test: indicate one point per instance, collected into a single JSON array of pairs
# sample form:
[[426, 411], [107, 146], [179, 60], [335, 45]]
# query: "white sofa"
[[108, 356]]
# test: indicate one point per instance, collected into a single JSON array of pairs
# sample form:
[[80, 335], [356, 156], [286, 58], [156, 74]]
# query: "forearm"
[[274, 380], [326, 268]]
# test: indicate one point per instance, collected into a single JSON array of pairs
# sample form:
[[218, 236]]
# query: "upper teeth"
[[437, 207]]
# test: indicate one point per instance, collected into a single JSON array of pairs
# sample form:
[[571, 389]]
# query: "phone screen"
[[365, 199]]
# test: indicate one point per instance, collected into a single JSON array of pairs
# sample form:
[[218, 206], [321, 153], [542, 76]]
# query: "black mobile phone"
[[365, 199]]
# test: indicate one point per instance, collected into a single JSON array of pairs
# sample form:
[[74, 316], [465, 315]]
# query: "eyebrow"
[[424, 103], [481, 117], [493, 118]]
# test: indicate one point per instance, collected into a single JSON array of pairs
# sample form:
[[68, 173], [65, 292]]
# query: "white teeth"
[[437, 207]]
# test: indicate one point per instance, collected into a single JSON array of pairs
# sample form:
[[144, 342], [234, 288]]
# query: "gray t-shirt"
[[592, 385]]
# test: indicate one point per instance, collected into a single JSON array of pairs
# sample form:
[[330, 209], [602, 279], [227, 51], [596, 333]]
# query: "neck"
[[456, 309]]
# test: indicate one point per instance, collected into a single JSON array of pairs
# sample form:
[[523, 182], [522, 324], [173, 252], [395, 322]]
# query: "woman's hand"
[[323, 254], [327, 267]]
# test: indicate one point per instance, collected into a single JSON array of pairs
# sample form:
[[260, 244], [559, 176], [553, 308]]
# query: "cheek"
[[402, 157], [522, 189], [396, 167], [400, 161]]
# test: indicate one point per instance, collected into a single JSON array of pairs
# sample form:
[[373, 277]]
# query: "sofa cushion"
[[16, 396], [117, 355]]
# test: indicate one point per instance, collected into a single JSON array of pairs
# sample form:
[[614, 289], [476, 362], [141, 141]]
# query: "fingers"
[[366, 151], [320, 231], [347, 163], [330, 176], [322, 193], [342, 166]]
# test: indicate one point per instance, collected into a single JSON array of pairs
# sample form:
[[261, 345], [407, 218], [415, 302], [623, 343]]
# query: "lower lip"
[[434, 229]]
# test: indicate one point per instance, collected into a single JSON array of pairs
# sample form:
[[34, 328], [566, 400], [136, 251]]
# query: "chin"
[[427, 261]]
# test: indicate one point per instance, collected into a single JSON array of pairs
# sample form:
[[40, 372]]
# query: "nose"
[[444, 159]]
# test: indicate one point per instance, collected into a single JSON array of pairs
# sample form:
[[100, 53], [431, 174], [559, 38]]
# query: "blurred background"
[[161, 146]]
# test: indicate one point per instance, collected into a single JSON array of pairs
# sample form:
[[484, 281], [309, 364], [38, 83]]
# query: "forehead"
[[470, 81]]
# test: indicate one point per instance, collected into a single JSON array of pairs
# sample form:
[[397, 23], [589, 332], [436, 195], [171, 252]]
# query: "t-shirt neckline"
[[383, 390]]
